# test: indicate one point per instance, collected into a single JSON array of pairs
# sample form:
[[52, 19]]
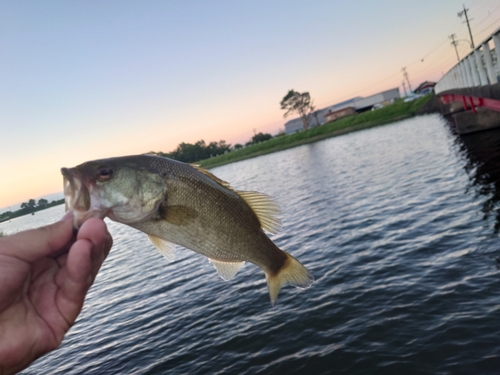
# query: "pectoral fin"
[[226, 270], [164, 247]]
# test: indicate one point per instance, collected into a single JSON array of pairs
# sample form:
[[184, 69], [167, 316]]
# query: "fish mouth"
[[77, 197], [76, 194]]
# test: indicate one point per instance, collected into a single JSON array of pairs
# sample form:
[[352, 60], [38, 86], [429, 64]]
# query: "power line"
[[490, 12], [428, 53], [433, 66], [438, 46], [488, 16], [487, 27], [485, 4], [444, 64]]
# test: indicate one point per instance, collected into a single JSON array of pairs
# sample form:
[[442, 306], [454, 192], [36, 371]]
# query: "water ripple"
[[397, 224]]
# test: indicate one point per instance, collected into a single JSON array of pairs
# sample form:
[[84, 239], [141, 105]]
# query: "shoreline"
[[394, 112], [313, 139], [21, 212], [391, 113]]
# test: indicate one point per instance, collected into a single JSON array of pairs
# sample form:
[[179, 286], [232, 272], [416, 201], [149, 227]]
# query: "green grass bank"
[[397, 111]]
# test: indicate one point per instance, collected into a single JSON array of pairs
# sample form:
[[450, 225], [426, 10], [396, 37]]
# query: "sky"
[[85, 80]]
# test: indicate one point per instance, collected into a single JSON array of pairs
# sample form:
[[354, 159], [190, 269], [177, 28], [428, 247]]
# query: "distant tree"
[[237, 146], [315, 114], [261, 137], [299, 103], [42, 202], [223, 146], [190, 153], [220, 148], [28, 206]]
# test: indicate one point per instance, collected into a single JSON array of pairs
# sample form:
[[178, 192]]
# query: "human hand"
[[45, 274]]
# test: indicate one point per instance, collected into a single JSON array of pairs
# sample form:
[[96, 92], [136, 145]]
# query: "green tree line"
[[191, 153], [185, 152], [30, 207]]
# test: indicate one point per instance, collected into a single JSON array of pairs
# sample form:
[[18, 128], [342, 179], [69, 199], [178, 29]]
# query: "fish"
[[175, 203]]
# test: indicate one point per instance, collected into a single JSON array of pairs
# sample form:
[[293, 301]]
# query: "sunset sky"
[[82, 80]]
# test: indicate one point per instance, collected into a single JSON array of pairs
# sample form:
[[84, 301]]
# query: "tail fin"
[[293, 273]]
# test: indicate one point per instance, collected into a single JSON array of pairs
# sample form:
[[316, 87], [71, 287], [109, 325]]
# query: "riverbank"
[[388, 114], [8, 215]]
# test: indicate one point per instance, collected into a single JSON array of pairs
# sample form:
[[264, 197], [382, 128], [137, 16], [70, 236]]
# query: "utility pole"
[[404, 87], [454, 44], [405, 74], [460, 14]]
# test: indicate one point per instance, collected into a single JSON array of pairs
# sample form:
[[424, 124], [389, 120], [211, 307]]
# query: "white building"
[[384, 97], [358, 103]]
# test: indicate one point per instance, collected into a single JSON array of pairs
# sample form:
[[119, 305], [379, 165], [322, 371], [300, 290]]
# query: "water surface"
[[397, 223]]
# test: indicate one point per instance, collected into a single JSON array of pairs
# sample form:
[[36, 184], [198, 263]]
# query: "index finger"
[[34, 244]]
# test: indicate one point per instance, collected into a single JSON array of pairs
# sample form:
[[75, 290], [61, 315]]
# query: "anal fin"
[[167, 249], [226, 270]]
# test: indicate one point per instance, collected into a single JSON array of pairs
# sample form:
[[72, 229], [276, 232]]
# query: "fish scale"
[[178, 203]]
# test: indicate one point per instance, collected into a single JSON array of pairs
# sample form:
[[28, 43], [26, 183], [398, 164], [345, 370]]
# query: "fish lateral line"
[[176, 203], [264, 206]]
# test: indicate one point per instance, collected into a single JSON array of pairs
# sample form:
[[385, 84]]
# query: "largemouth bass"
[[178, 203]]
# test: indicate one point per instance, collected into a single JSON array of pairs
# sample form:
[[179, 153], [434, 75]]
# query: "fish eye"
[[104, 174]]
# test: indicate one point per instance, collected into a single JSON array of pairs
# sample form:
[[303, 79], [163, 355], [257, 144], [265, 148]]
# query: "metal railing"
[[481, 67]]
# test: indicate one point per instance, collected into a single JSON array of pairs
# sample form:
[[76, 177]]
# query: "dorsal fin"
[[264, 206], [266, 209], [212, 176]]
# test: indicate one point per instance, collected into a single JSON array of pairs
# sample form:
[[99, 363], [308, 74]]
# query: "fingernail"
[[68, 216]]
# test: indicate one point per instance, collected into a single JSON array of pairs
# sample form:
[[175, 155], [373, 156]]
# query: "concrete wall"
[[468, 122]]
